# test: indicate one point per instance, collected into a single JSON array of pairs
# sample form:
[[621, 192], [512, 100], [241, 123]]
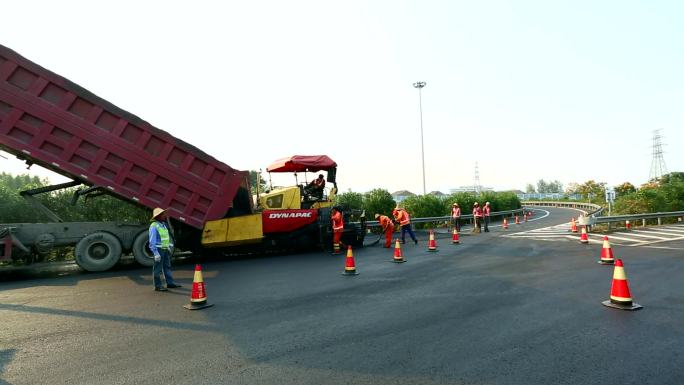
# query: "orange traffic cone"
[[398, 256], [198, 296], [628, 225], [517, 220], [573, 225], [620, 298], [583, 237], [349, 265], [606, 253], [505, 224], [454, 237], [432, 244]]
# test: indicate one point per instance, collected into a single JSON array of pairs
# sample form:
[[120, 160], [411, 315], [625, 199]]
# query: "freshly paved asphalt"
[[492, 310]]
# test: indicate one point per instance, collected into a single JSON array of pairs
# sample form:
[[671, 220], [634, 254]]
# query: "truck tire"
[[98, 251], [141, 250]]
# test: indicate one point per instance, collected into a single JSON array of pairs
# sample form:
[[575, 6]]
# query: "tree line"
[[421, 206]]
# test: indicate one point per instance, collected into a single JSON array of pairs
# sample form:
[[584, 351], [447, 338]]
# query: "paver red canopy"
[[299, 163]]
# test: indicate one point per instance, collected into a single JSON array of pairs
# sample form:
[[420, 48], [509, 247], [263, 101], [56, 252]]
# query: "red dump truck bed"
[[48, 120]]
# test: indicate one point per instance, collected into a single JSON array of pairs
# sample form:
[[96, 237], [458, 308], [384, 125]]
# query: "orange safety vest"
[[337, 222], [456, 212], [385, 222], [403, 217], [477, 211], [487, 210]]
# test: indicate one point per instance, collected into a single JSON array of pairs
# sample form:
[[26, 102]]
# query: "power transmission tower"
[[658, 168], [476, 182]]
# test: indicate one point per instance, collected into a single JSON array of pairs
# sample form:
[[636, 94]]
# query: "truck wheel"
[[141, 250], [98, 251]]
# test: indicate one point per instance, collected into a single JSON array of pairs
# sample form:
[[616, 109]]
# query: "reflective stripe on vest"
[[455, 213], [487, 210], [164, 237]]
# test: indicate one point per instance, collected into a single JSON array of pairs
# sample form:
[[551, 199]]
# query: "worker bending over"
[[387, 228]]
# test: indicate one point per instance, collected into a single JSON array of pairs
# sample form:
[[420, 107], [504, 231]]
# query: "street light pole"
[[419, 86]]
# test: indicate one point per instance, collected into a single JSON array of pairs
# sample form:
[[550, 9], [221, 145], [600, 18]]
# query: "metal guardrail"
[[588, 208], [643, 217], [448, 217]]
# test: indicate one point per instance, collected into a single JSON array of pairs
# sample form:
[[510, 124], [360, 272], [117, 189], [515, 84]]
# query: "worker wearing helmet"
[[387, 227], [338, 229], [477, 217], [315, 187], [486, 211], [161, 246], [404, 219], [456, 216]]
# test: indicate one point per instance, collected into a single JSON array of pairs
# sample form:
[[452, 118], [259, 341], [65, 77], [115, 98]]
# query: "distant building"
[[438, 194], [401, 195], [471, 189]]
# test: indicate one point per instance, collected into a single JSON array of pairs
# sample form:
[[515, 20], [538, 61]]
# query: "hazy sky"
[[567, 90]]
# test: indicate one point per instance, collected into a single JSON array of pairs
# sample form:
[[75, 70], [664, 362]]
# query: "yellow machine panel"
[[282, 199], [233, 231]]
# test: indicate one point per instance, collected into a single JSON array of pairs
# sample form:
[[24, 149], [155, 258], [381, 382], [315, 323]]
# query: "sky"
[[559, 90]]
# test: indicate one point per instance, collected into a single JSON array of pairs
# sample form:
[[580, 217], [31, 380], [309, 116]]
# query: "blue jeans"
[[404, 229], [165, 265]]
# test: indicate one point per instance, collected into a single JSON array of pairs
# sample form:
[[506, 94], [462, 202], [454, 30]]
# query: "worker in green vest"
[[161, 246]]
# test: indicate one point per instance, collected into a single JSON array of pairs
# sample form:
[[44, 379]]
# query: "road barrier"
[[594, 213]]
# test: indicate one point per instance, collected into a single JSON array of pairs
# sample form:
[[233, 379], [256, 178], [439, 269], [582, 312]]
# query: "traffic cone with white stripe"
[[606, 253], [620, 297], [198, 296], [398, 256], [350, 265], [454, 237], [505, 223], [432, 244], [584, 238], [628, 225], [573, 225]]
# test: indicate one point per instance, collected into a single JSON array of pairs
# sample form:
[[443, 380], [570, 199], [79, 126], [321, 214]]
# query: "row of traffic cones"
[[620, 296]]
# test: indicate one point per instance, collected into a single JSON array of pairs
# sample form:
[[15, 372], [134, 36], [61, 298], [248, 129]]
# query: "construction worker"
[[160, 245], [338, 228], [404, 219], [315, 187], [486, 211], [477, 217], [387, 228], [456, 216]]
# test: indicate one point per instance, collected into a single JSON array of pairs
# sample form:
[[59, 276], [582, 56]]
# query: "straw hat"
[[377, 216], [156, 212]]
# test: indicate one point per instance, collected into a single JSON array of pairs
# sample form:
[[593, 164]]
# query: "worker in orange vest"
[[477, 217], [404, 219], [387, 228], [456, 216], [486, 211], [338, 229]]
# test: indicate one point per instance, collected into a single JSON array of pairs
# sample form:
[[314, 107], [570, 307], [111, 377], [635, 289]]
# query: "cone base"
[[634, 306], [350, 273], [432, 250], [398, 261], [455, 242], [600, 262], [196, 306], [585, 242]]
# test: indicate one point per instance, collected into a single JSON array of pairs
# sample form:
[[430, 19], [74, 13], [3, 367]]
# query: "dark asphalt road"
[[492, 310]]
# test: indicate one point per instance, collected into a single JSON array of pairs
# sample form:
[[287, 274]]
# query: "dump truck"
[[52, 122]]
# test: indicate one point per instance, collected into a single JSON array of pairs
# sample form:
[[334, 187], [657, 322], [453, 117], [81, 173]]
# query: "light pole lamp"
[[419, 86]]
